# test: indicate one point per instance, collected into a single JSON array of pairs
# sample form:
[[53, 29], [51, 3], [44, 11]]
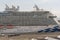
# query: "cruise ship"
[[13, 21]]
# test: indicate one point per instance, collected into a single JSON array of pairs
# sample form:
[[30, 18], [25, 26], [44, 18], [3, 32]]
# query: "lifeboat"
[[1, 26], [9, 26]]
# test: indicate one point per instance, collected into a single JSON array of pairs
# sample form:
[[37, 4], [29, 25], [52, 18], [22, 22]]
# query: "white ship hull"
[[27, 29]]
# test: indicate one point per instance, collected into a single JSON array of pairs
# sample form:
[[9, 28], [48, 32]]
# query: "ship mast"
[[36, 7], [12, 9]]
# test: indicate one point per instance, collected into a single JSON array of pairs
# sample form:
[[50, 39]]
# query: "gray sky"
[[52, 5]]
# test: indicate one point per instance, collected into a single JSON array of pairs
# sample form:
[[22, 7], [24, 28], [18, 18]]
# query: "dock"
[[29, 36]]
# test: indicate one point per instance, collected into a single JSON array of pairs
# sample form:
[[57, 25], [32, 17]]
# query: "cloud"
[[44, 1]]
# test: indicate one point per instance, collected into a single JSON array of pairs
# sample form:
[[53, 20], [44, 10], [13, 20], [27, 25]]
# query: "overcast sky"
[[52, 5]]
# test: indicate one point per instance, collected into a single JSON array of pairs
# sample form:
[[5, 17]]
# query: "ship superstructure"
[[13, 21]]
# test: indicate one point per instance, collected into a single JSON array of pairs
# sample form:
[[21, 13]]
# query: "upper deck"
[[34, 18]]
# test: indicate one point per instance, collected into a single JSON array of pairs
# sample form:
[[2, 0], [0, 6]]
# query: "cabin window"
[[35, 16]]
